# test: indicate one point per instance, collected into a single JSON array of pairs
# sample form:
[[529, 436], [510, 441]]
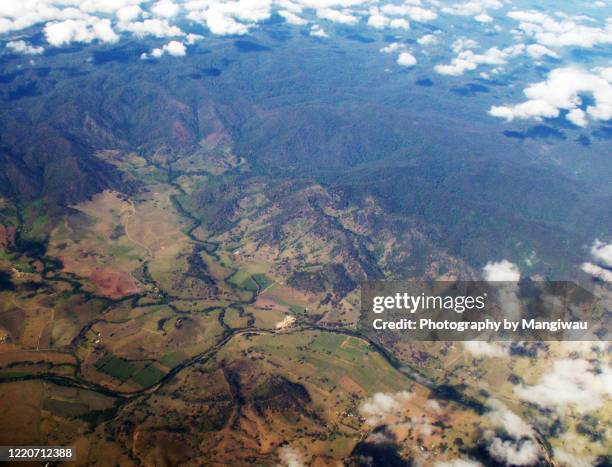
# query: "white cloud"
[[80, 30], [399, 23], [421, 14], [383, 404], [165, 9], [472, 7], [523, 452], [597, 272], [107, 7], [342, 17], [174, 48], [393, 47], [378, 21], [602, 252], [483, 18], [290, 457], [19, 14], [467, 60], [501, 271], [153, 27], [509, 274], [292, 18], [577, 117], [518, 446], [511, 423], [485, 349], [571, 384], [317, 31], [428, 39], [22, 47], [539, 51], [221, 24], [415, 13], [567, 32], [406, 59], [193, 38], [561, 91], [129, 13], [463, 43], [229, 17]]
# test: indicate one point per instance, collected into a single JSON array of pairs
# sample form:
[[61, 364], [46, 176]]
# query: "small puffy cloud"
[[597, 272], [399, 23], [415, 13], [428, 39], [317, 31], [421, 14], [153, 27], [501, 271], [165, 9], [193, 38], [380, 21], [510, 452], [518, 445], [82, 30], [472, 7], [463, 43], [577, 117], [174, 48], [485, 349], [290, 457], [561, 91], [467, 60], [539, 51], [337, 16], [223, 25], [483, 18], [602, 252], [128, 13], [406, 59], [392, 47], [571, 385], [509, 274], [383, 404], [21, 14], [22, 47], [292, 18], [510, 422], [107, 7], [231, 17], [547, 31]]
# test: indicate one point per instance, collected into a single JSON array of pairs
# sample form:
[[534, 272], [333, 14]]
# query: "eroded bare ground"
[[209, 318]]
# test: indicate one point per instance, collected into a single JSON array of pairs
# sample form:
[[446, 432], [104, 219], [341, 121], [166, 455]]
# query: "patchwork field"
[[209, 318]]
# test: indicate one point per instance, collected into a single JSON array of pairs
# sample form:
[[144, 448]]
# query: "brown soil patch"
[[350, 386], [109, 282], [114, 284]]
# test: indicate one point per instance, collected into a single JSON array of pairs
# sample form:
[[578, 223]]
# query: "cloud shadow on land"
[[537, 132]]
